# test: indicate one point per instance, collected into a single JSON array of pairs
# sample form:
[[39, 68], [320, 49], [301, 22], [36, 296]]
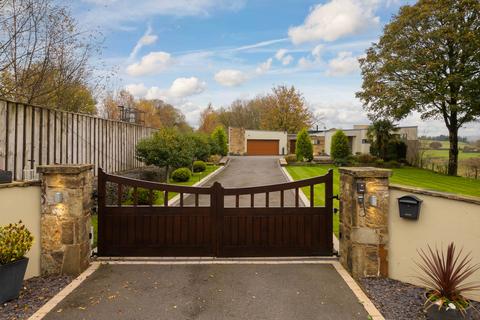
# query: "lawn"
[[407, 176], [196, 177]]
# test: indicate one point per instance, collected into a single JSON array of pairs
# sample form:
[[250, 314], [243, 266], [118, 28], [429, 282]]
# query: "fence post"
[[65, 218], [364, 203]]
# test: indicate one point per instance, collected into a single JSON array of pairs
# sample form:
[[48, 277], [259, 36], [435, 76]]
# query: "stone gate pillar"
[[364, 201], [65, 219]]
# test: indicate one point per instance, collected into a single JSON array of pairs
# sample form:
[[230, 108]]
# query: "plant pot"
[[433, 313], [5, 176], [11, 278]]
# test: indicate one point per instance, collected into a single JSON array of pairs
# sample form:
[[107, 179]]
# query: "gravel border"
[[397, 300], [34, 294]]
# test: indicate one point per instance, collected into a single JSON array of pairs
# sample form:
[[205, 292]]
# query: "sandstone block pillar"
[[65, 219], [364, 223]]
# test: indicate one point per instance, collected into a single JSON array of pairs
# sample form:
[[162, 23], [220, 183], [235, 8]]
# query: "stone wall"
[[236, 138], [364, 226], [66, 205]]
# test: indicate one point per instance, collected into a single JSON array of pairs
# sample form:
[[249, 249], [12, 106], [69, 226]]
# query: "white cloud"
[[179, 89], [286, 60], [265, 66], [137, 89], [335, 19], [230, 77], [184, 87], [317, 52], [259, 44], [305, 63], [344, 63], [280, 54], [115, 14], [147, 39], [152, 63]]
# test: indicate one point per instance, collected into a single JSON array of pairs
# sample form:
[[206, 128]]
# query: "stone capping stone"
[[366, 172], [438, 194], [20, 184], [64, 168]]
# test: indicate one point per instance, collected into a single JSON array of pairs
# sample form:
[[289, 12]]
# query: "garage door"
[[262, 147]]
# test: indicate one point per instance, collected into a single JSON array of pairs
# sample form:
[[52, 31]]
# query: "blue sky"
[[192, 52]]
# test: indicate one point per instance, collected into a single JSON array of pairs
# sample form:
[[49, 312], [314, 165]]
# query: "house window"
[[314, 141], [365, 141]]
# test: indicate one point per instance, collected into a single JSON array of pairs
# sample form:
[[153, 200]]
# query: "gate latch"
[[335, 197]]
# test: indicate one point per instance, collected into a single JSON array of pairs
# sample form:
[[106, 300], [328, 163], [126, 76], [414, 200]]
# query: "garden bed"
[[34, 294], [398, 300]]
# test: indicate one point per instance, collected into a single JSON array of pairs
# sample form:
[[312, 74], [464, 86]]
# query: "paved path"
[[247, 172], [240, 291]]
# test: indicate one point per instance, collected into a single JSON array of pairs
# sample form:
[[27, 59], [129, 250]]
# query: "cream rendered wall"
[[23, 203], [441, 221], [268, 135]]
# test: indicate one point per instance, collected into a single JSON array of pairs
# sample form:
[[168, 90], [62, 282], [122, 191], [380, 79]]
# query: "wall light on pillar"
[[58, 197]]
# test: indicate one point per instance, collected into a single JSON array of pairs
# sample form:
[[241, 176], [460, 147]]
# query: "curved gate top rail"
[[140, 228], [207, 190]]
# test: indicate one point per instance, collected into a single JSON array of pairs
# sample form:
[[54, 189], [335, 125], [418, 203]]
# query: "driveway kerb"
[[351, 283], [52, 303], [176, 199]]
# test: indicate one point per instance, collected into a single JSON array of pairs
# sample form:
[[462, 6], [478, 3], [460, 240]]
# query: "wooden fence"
[[32, 135]]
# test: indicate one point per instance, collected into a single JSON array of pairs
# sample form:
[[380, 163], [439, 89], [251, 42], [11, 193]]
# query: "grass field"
[[196, 177], [444, 154], [407, 176], [445, 144]]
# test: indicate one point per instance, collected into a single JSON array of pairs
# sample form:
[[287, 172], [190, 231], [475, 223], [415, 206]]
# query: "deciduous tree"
[[167, 148], [427, 61], [286, 110], [44, 56], [208, 120]]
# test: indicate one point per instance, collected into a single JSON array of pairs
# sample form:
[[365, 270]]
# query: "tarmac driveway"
[[248, 172], [212, 291]]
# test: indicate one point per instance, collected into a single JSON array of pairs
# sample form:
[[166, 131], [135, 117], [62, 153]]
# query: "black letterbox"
[[5, 176], [409, 207]]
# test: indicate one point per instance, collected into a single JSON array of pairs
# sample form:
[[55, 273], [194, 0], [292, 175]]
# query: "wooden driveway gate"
[[135, 218]]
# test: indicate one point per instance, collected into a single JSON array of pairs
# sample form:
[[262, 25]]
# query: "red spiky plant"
[[445, 276]]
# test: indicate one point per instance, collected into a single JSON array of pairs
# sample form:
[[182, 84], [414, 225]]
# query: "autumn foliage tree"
[[208, 120], [44, 56], [286, 110], [427, 61]]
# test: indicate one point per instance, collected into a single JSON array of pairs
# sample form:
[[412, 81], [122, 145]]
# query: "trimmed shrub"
[[435, 145], [214, 158], [339, 148], [392, 164], [365, 158], [291, 158], [341, 162], [181, 175], [304, 148], [143, 196], [379, 163], [15, 241], [199, 166]]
